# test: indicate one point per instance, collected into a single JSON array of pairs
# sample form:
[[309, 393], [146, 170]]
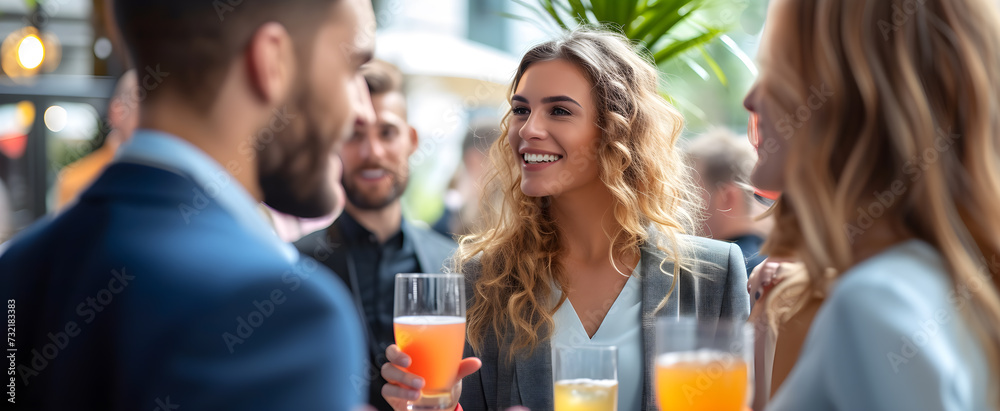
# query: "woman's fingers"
[[769, 272], [395, 394], [468, 366], [395, 356], [767, 275], [404, 386], [395, 375]]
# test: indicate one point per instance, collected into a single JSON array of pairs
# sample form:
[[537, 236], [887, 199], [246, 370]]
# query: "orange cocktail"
[[701, 381], [434, 344]]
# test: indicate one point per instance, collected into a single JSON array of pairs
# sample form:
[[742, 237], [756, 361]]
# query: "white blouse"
[[622, 328]]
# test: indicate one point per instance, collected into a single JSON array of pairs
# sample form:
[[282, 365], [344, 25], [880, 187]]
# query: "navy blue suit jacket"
[[148, 295]]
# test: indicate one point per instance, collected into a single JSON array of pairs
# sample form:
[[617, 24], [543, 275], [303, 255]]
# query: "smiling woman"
[[552, 133], [588, 242]]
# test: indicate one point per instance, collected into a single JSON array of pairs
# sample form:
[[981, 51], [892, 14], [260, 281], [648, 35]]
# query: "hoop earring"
[[616, 268]]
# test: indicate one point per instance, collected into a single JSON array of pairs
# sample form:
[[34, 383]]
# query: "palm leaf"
[[655, 16], [674, 49], [548, 7], [626, 11], [543, 15], [668, 28], [713, 65], [579, 11], [602, 14]]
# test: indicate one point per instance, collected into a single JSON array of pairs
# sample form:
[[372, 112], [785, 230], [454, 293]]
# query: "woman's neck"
[[586, 224]]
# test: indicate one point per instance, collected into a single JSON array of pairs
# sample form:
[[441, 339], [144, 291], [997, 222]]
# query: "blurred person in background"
[[123, 118], [163, 287], [371, 241], [462, 201], [722, 162], [880, 127], [588, 242]]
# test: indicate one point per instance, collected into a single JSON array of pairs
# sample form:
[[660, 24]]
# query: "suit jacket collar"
[[167, 152], [411, 233]]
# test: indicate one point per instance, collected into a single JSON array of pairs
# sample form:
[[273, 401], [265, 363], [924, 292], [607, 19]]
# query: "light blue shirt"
[[890, 337], [622, 328], [171, 153]]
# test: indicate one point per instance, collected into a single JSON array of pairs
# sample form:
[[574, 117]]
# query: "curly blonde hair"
[[518, 246]]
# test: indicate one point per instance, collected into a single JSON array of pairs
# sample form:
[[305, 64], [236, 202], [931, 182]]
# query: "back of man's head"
[[722, 157], [191, 42]]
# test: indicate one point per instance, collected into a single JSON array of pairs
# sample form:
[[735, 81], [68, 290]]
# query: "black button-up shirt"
[[375, 267]]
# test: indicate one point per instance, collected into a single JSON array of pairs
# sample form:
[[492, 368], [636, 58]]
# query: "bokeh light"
[[55, 118], [30, 52]]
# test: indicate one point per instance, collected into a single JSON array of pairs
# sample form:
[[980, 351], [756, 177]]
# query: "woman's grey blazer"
[[717, 291]]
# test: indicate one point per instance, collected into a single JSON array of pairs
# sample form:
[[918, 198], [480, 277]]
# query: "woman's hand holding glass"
[[404, 386]]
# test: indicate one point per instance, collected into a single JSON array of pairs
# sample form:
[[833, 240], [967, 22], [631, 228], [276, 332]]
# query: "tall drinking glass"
[[429, 325], [585, 378], [703, 365]]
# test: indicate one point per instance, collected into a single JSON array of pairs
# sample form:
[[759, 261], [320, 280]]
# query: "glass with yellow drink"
[[703, 365], [429, 326], [585, 378]]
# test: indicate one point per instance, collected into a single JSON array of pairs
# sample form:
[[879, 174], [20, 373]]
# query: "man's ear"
[[270, 62], [414, 140], [731, 195]]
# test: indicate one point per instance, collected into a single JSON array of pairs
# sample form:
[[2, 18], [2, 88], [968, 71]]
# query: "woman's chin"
[[768, 178], [531, 190]]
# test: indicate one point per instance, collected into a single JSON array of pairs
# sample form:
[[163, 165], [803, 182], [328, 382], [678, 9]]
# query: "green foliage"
[[669, 29]]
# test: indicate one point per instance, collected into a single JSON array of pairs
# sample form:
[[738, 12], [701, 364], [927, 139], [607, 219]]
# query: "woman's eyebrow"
[[546, 100]]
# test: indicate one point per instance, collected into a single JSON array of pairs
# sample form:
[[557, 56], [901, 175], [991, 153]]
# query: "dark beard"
[[294, 166], [281, 193], [363, 202]]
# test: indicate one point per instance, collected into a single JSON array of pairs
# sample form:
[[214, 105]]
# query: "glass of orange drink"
[[429, 326], [703, 365], [585, 378]]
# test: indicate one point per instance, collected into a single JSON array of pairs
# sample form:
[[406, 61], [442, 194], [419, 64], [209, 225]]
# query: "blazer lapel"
[[655, 285], [534, 378], [417, 239]]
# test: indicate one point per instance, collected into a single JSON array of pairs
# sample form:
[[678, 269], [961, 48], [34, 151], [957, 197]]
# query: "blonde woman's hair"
[[519, 247], [904, 128]]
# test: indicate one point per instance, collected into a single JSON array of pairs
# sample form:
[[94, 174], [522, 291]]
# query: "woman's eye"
[[559, 111], [520, 111]]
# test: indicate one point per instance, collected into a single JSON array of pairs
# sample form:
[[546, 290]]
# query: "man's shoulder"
[[189, 254], [319, 241], [426, 237]]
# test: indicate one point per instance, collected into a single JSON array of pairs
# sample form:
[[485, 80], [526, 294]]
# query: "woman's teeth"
[[540, 158]]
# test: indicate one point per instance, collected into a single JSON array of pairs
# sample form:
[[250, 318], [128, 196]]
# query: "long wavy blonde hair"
[[909, 134], [518, 246]]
